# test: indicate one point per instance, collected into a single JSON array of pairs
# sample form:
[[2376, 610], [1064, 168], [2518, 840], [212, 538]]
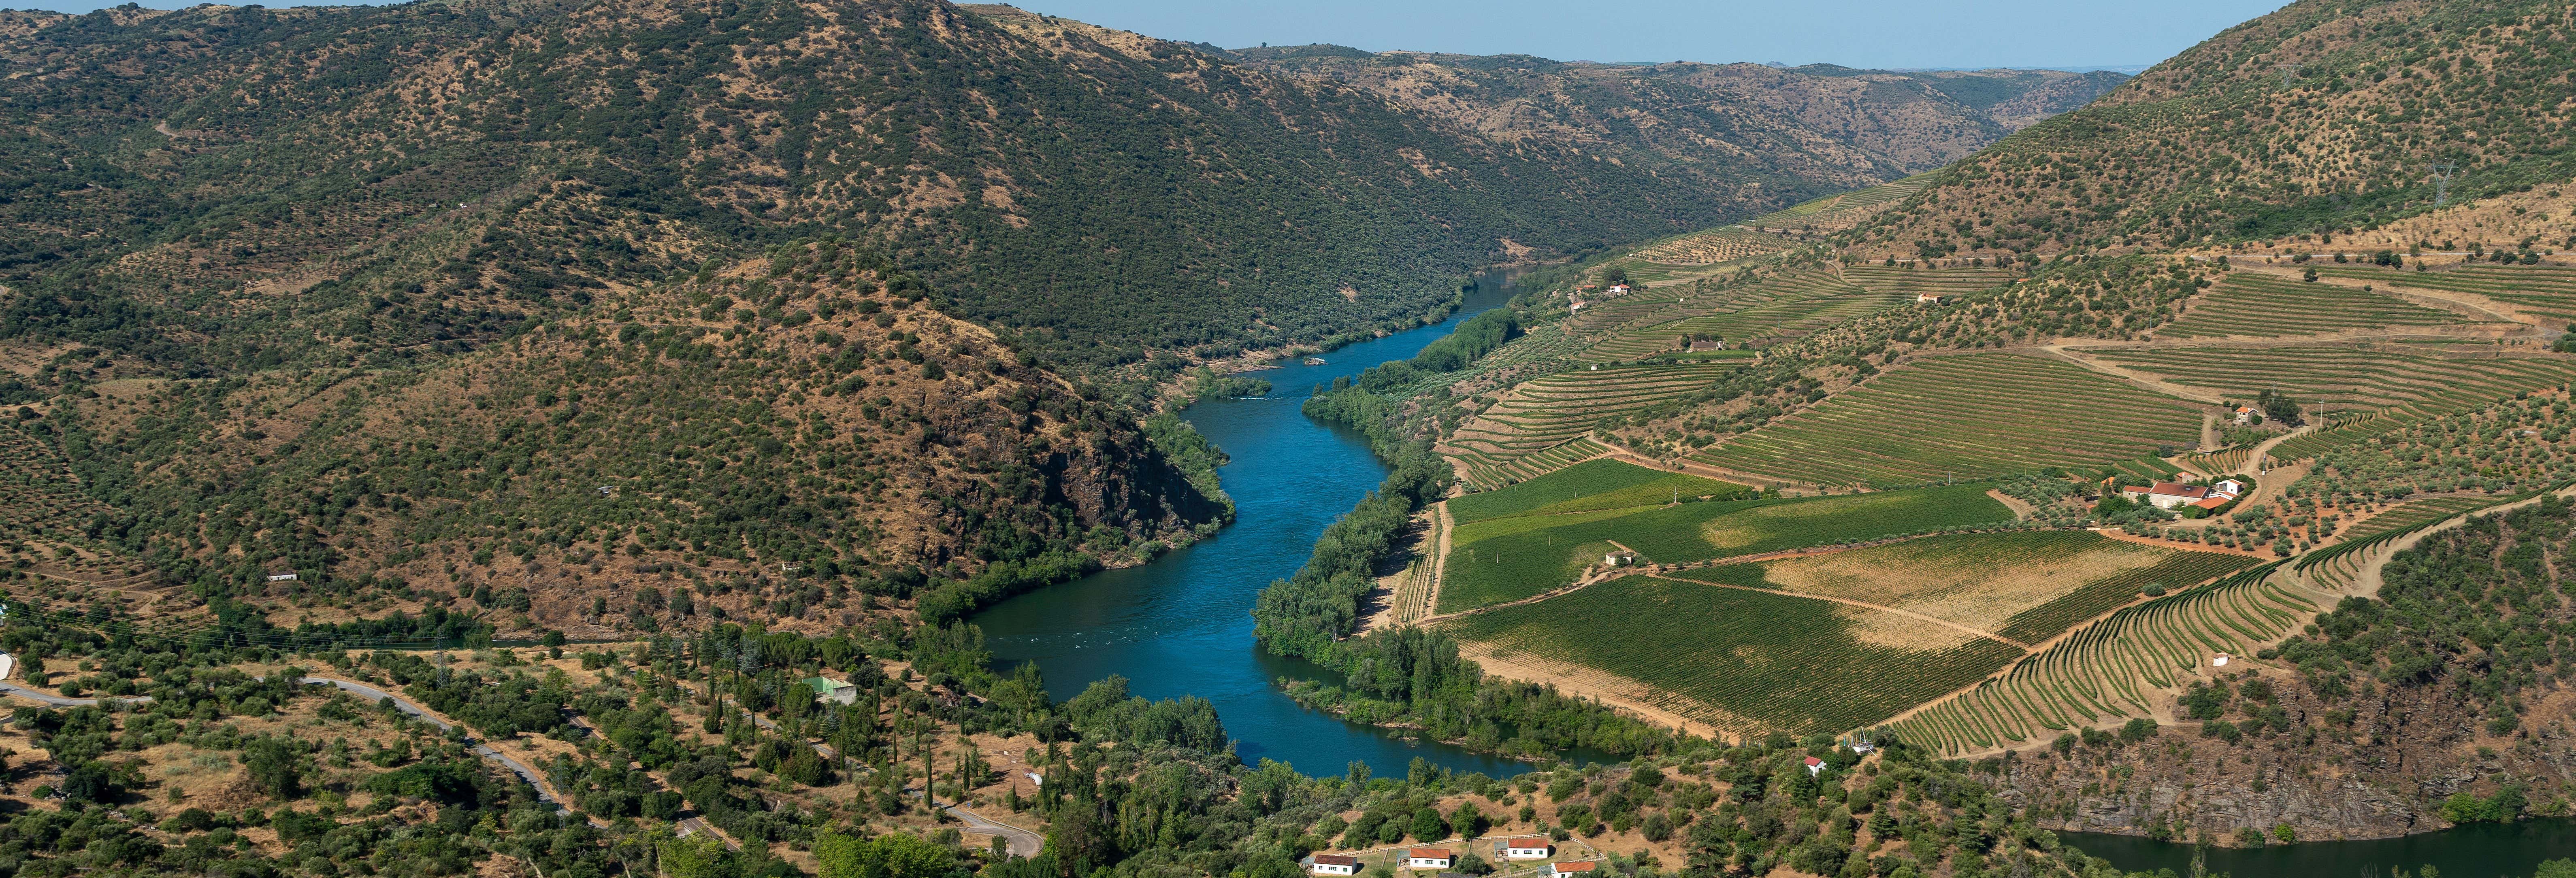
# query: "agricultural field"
[[1588, 486], [1711, 247], [1965, 416], [1908, 282], [2414, 514], [2544, 292], [1539, 416], [1837, 212], [2023, 586], [45, 509], [1789, 305], [2248, 304], [1747, 662], [2334, 567], [1505, 559], [2108, 670], [2369, 390]]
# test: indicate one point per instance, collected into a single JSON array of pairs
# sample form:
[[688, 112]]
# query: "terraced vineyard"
[[1746, 662], [2225, 460], [1964, 416], [1643, 305], [1712, 246], [2262, 305], [1908, 282], [1789, 305], [2107, 670], [1836, 212], [2335, 566], [2024, 586], [1587, 486], [2382, 390], [2547, 292], [1519, 437], [1509, 558]]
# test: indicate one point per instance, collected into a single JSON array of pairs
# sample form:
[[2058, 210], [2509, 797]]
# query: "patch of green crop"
[[1782, 662], [1593, 484], [1506, 559]]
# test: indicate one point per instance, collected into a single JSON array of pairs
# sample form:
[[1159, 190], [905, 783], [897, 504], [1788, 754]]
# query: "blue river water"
[[2476, 850], [1182, 624]]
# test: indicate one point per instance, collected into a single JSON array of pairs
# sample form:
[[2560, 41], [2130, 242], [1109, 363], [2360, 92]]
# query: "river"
[[1182, 624], [2477, 850]]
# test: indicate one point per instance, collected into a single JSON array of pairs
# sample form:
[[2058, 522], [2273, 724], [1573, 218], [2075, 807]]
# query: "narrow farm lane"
[[545, 792]]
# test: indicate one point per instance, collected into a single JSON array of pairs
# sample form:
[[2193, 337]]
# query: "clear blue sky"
[[1857, 33]]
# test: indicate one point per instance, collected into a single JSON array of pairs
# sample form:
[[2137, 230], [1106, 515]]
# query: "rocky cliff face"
[[2375, 764]]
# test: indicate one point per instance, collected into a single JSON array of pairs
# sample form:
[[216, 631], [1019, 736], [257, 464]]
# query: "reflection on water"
[[1182, 625], [2477, 850]]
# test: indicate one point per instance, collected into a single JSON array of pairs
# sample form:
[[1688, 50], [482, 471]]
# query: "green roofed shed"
[[837, 691]]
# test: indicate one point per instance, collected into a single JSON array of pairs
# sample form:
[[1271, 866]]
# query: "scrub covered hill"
[[220, 187], [1721, 122], [2318, 119], [746, 445]]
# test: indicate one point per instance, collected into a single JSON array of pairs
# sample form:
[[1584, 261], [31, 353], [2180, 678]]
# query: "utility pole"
[[2441, 182], [2289, 73]]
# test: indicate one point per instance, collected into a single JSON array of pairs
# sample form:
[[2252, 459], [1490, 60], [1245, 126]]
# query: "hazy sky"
[[1857, 33]]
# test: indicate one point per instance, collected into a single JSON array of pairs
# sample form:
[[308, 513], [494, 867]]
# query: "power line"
[[2441, 182]]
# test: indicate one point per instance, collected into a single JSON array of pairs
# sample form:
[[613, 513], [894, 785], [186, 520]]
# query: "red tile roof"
[[1426, 853], [1528, 843], [1814, 761], [1562, 868], [1335, 860]]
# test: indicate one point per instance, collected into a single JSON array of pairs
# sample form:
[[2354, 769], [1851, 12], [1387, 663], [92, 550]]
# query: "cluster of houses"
[[2171, 495], [1428, 859]]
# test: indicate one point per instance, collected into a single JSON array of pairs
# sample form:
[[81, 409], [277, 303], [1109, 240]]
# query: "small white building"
[[1528, 848], [1332, 864], [284, 576], [2246, 415], [1428, 858], [1619, 559], [1561, 870], [2171, 495], [1815, 766], [1928, 298], [1618, 289]]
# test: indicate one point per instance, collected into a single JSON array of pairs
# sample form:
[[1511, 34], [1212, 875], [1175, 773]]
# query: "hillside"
[[762, 442], [2215, 276], [226, 187], [1719, 123], [2315, 122]]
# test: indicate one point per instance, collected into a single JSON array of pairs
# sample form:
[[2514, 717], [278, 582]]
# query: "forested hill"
[[176, 179], [1720, 122], [2320, 118]]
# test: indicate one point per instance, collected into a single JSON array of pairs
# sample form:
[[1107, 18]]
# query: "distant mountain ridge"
[[1850, 125]]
